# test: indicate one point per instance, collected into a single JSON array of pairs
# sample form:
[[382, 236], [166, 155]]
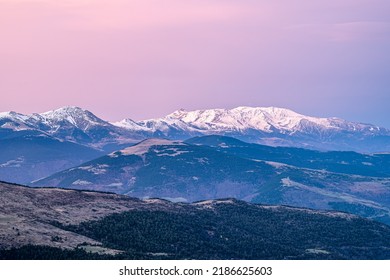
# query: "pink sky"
[[147, 58]]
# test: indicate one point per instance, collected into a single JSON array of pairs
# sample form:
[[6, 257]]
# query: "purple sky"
[[147, 58]]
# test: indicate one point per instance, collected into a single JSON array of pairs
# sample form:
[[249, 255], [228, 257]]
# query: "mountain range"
[[263, 125], [37, 145], [270, 126], [195, 169], [72, 148], [71, 124], [127, 177]]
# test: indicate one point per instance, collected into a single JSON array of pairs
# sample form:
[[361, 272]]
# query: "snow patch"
[[223, 145], [202, 160], [210, 202], [176, 199], [97, 170], [131, 125], [149, 200], [317, 251], [275, 164], [113, 155], [13, 162], [175, 152], [270, 207], [144, 146], [81, 183], [115, 185]]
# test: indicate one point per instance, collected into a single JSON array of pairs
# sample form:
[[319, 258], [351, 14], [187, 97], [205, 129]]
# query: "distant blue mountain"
[[374, 165], [71, 147], [192, 170], [30, 157]]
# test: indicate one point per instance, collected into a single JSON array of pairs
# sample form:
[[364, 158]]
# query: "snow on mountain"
[[165, 125], [267, 125], [12, 116], [131, 125], [144, 146], [266, 119], [14, 121], [70, 124], [264, 125], [52, 120], [76, 116], [240, 119]]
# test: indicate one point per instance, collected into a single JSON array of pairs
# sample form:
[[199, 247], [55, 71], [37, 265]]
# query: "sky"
[[144, 59]]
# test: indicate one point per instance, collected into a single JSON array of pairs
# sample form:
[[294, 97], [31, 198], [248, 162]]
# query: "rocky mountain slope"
[[67, 124], [41, 223], [27, 215], [38, 145]]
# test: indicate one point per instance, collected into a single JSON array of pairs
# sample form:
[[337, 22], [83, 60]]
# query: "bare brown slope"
[[27, 214]]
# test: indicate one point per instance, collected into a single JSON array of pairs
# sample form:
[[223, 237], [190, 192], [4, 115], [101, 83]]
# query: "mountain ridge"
[[263, 125], [196, 170], [244, 117], [269, 125], [70, 123], [42, 223]]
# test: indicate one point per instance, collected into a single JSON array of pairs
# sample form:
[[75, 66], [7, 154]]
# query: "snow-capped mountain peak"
[[243, 118], [14, 121], [64, 111], [177, 114], [264, 125], [13, 116], [76, 116], [130, 125], [69, 123]]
